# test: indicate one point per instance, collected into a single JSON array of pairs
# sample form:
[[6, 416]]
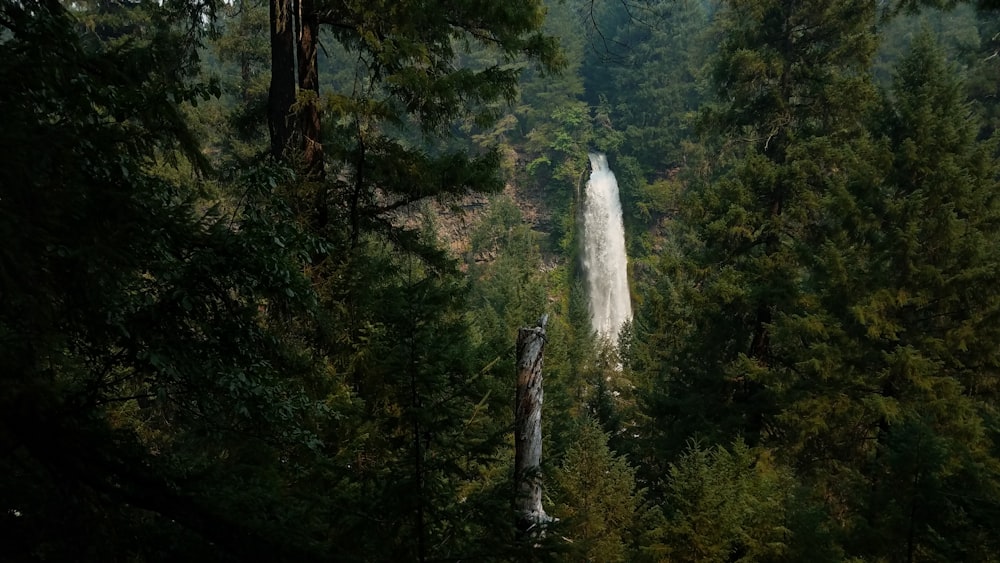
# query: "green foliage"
[[235, 133], [404, 89], [646, 75], [428, 427], [597, 496], [822, 307], [253, 365], [504, 264], [143, 375], [932, 333], [791, 139], [956, 30], [724, 505]]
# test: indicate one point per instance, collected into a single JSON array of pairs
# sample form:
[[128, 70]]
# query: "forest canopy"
[[263, 265]]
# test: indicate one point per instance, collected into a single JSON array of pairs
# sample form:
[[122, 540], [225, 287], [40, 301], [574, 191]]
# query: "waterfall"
[[604, 259]]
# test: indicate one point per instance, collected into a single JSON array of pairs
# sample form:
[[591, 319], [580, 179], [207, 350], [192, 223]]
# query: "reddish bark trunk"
[[309, 114], [281, 95]]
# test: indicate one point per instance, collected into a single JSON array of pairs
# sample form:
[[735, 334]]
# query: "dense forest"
[[263, 264]]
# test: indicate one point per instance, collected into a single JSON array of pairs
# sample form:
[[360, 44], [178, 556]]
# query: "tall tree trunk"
[[281, 95], [309, 115], [528, 426]]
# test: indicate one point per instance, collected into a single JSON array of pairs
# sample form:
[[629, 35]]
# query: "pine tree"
[[149, 398], [649, 68], [867, 370], [406, 91], [724, 505], [239, 135], [930, 322], [792, 82], [597, 496]]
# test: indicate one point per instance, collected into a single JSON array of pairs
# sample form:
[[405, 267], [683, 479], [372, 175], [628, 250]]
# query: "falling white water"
[[604, 258]]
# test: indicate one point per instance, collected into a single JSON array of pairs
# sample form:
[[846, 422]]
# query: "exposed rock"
[[456, 218]]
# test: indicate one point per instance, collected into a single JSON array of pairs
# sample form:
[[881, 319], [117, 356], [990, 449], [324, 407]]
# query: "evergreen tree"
[[596, 496], [149, 397], [930, 322], [650, 74], [724, 505], [792, 79], [238, 134], [413, 462], [413, 484], [405, 81], [835, 270]]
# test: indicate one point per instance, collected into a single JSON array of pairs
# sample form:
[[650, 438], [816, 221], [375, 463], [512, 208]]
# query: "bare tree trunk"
[[528, 426]]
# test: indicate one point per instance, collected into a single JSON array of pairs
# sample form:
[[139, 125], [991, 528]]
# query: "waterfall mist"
[[604, 259]]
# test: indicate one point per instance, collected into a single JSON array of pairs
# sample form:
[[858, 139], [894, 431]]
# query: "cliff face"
[[455, 220]]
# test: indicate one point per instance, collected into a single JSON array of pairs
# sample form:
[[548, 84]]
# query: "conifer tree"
[[149, 403], [597, 496], [724, 505], [240, 135], [792, 80], [929, 319], [647, 62], [427, 419], [843, 274], [406, 85]]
